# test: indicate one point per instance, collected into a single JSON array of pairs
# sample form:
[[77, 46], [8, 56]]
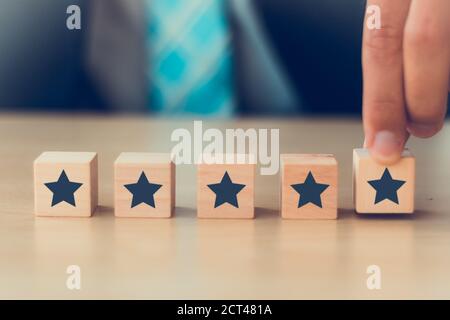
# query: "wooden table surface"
[[265, 258]]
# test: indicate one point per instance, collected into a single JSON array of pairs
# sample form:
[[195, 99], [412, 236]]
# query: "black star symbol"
[[63, 190], [226, 191], [310, 191], [386, 187], [143, 191]]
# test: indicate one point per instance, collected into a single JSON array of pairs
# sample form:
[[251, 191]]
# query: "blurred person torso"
[[280, 56]]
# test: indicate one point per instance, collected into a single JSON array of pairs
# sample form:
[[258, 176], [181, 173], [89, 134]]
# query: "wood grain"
[[295, 169], [212, 174], [366, 169], [79, 167], [158, 169]]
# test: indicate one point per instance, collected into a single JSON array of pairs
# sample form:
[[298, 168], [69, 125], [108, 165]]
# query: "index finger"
[[384, 111]]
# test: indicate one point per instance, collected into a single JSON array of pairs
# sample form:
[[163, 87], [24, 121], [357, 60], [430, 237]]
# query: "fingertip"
[[387, 148], [424, 130], [385, 159]]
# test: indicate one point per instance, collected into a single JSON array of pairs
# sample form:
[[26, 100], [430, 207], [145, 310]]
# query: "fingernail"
[[387, 146]]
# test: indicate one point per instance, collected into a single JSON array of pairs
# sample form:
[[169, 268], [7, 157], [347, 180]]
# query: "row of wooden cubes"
[[66, 184]]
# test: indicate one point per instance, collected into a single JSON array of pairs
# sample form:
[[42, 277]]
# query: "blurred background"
[[197, 57]]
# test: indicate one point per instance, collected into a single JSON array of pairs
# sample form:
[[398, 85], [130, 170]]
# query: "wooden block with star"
[[381, 189], [65, 184], [225, 187], [309, 184], [144, 185]]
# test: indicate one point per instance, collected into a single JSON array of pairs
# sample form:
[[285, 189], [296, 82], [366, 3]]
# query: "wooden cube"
[[381, 189], [144, 185], [226, 190], [66, 184], [309, 184]]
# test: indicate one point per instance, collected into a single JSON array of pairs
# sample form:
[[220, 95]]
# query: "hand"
[[406, 66]]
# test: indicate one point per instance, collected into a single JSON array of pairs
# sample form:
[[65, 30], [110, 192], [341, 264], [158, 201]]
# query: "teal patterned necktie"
[[190, 57]]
